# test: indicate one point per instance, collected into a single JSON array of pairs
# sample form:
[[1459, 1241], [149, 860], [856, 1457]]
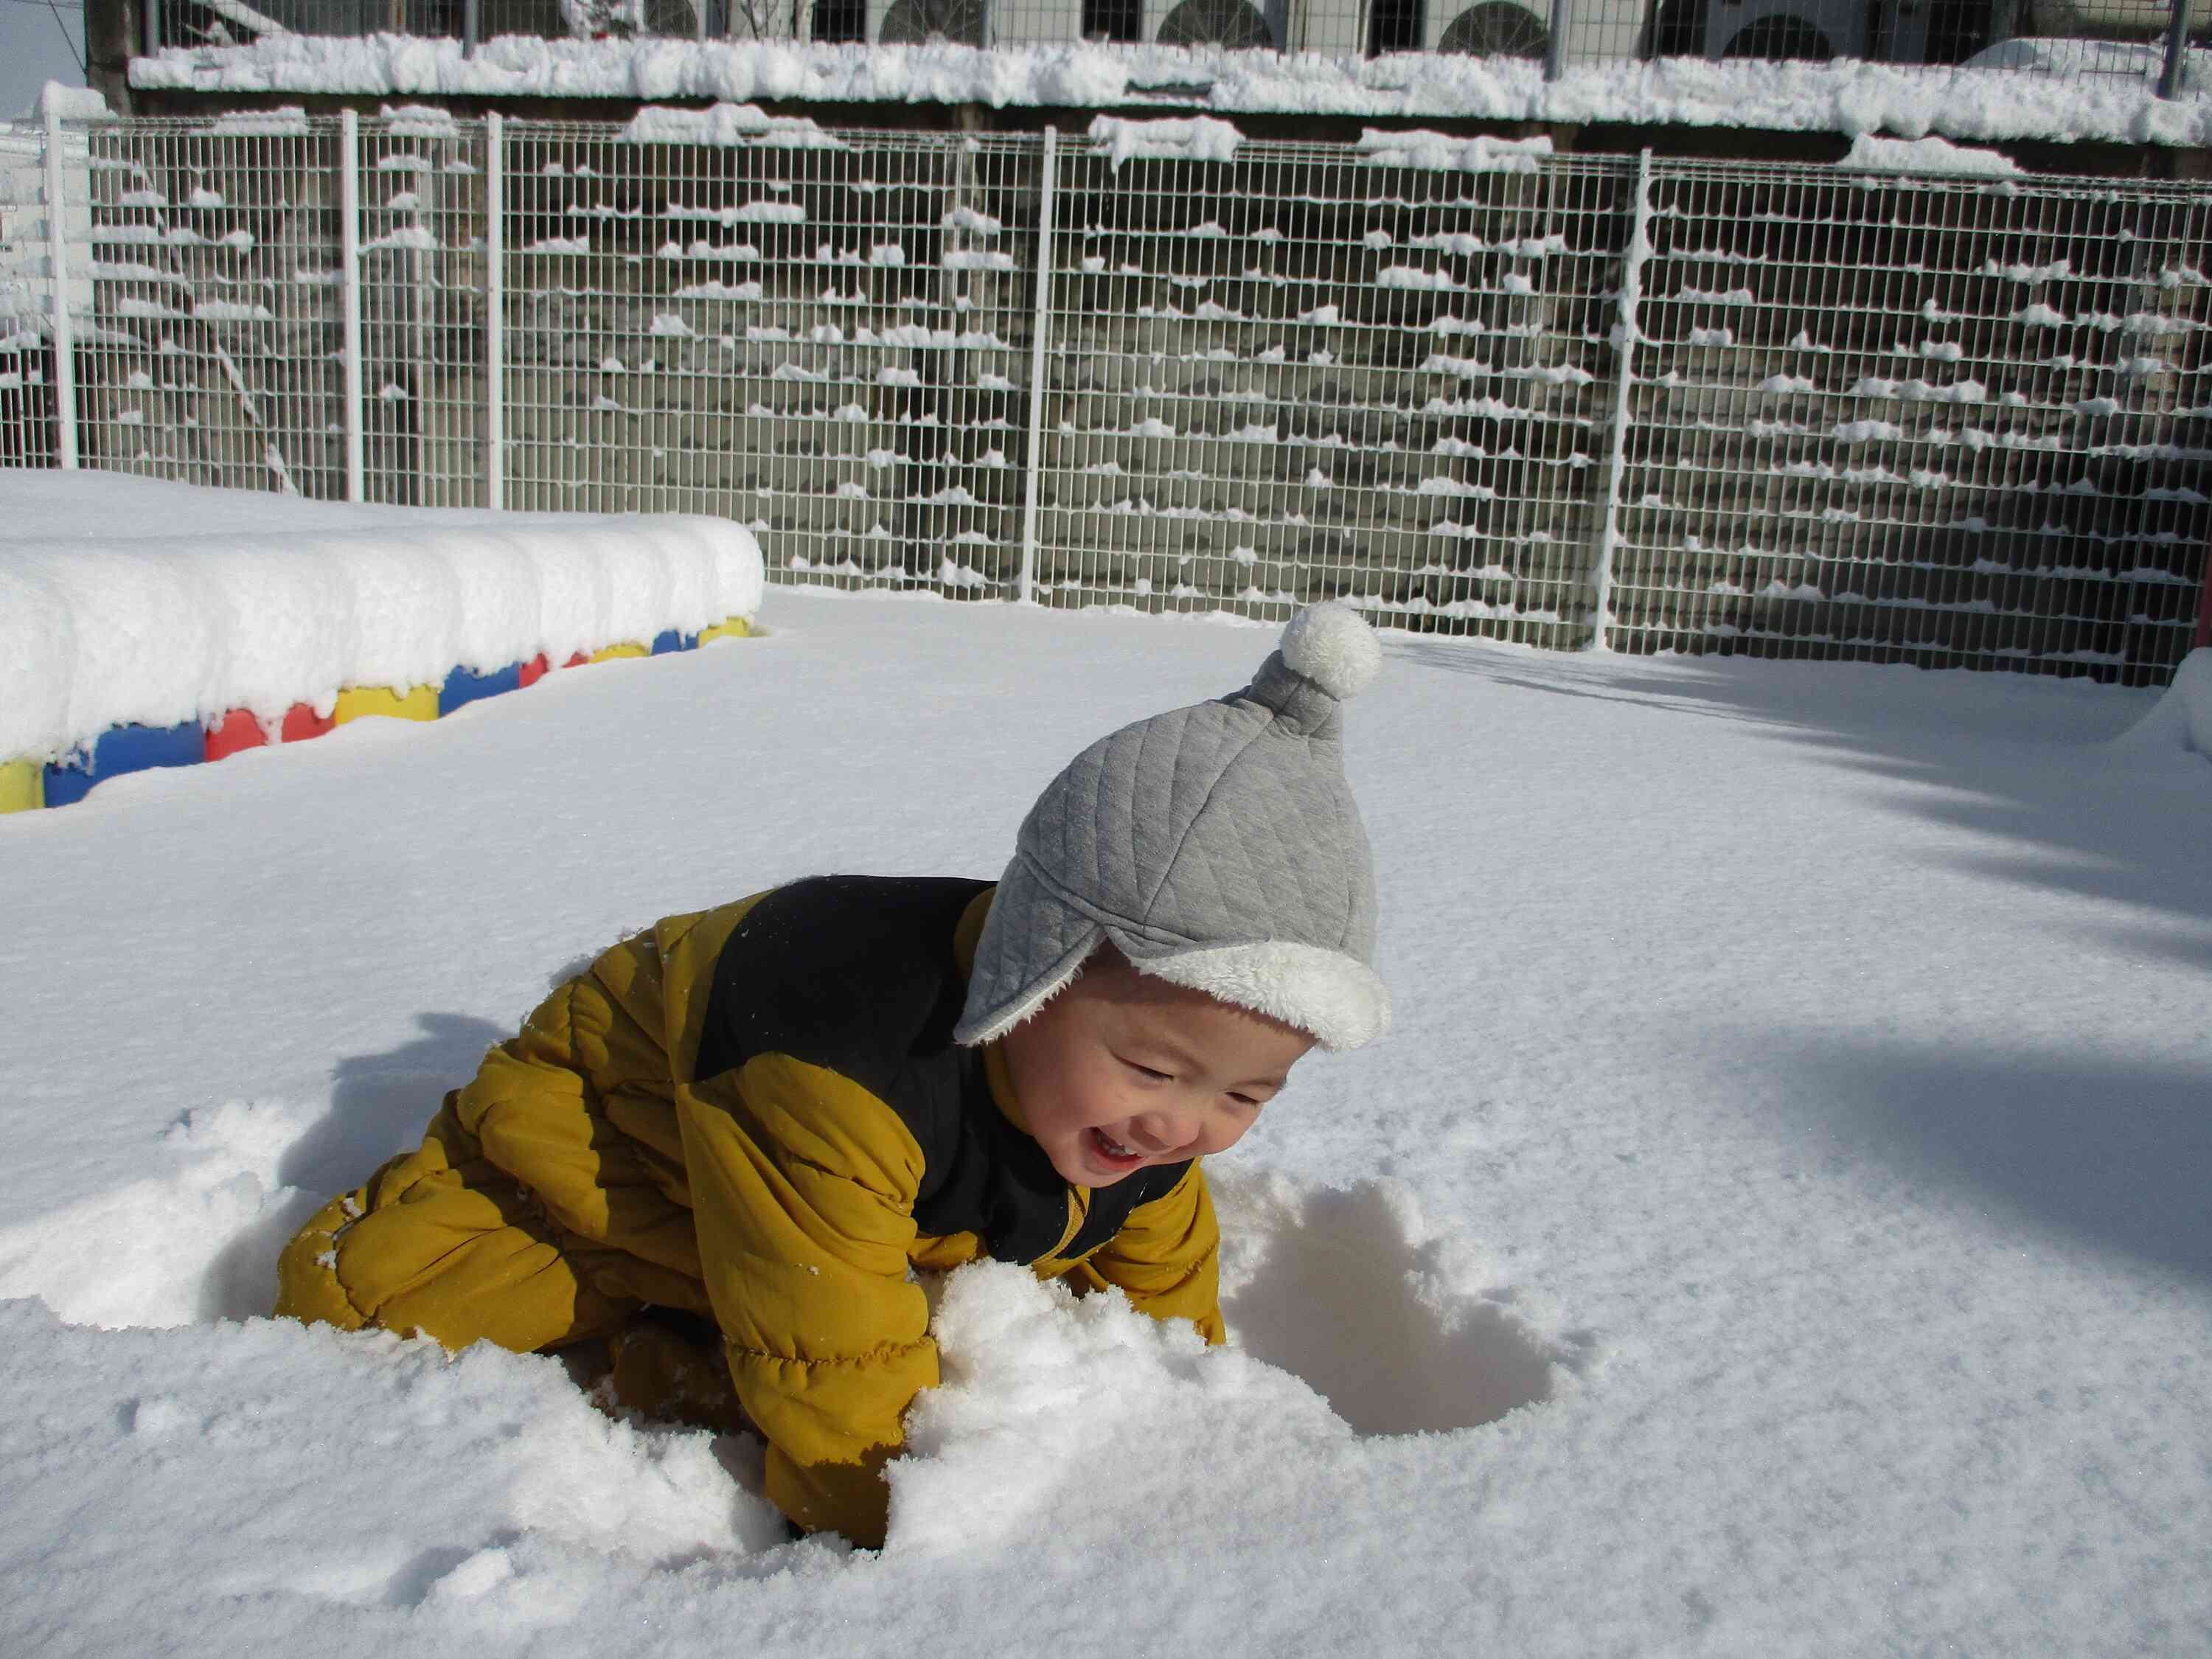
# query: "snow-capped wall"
[[1846, 97], [125, 601]]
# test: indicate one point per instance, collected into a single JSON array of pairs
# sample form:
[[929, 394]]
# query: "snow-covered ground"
[[1778, 1225], [1848, 96]]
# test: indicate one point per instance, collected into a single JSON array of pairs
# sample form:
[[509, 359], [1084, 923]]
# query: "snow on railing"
[[1943, 417]]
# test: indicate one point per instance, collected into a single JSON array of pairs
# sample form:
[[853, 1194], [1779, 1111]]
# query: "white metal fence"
[[1473, 386]]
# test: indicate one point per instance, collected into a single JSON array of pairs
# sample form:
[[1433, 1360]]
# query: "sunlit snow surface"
[[1778, 1224]]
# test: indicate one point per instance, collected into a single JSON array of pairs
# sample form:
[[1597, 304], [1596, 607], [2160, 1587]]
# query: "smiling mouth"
[[1112, 1154]]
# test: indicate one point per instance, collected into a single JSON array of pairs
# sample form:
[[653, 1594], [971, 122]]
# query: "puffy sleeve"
[[802, 1187], [1167, 1257]]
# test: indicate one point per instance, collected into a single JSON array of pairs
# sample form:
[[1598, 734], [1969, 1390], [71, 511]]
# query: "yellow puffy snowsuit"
[[754, 1113]]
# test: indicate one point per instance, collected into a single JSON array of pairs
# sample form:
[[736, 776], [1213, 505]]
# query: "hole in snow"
[[1396, 1328]]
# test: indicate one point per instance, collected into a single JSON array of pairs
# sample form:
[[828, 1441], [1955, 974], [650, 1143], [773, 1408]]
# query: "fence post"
[[1555, 44], [1625, 333], [150, 20], [2204, 608], [58, 263], [2173, 79], [472, 27], [494, 313], [1040, 342], [349, 260]]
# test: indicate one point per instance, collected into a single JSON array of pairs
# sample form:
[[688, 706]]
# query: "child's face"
[[1122, 1070]]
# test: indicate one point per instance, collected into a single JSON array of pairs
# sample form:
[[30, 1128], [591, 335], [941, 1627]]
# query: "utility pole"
[[111, 29]]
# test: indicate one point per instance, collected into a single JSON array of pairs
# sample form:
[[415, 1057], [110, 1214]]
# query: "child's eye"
[[1148, 1073], [1247, 1100]]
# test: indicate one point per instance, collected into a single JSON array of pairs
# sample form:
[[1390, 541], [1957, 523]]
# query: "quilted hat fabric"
[[1216, 846]]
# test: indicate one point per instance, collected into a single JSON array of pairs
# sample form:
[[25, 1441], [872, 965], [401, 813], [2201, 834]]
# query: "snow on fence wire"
[[1475, 387]]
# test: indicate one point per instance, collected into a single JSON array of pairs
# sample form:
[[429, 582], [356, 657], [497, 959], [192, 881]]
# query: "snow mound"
[[2183, 716], [1198, 139], [1869, 153], [199, 1244], [1046, 1395], [182, 606], [726, 125], [1348, 1318]]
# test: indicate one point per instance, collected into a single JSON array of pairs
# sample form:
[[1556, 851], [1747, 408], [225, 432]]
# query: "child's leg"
[[442, 1243], [668, 1365]]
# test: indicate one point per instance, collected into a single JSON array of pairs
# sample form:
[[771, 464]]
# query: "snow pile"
[[289, 122], [726, 125], [1198, 139], [174, 603], [1347, 1318], [196, 1241], [1045, 1396], [1869, 153], [2184, 713], [67, 103], [1440, 152], [1846, 97]]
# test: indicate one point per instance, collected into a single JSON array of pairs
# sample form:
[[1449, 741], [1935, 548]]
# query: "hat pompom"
[[1333, 646]]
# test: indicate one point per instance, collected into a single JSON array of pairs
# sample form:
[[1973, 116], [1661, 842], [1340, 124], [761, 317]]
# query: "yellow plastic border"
[[735, 627], [356, 702], [22, 786], [628, 648]]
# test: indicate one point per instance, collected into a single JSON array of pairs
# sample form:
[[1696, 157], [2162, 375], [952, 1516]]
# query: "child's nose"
[[1166, 1131]]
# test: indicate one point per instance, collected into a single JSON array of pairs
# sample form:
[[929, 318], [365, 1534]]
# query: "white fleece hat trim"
[[1338, 998]]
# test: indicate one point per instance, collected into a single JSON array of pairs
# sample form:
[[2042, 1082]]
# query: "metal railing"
[[2145, 40], [1473, 386]]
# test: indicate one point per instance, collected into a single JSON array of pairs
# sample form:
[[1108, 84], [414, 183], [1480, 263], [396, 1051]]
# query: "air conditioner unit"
[[1235, 24], [1352, 27], [1488, 28], [1336, 27]]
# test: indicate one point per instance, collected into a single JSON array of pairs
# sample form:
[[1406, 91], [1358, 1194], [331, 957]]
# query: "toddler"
[[728, 1146]]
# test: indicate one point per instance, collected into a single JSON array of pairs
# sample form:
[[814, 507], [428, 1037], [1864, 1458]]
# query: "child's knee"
[[308, 1283], [461, 1255]]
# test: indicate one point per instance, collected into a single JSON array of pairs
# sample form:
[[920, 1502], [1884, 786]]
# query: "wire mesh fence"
[[209, 345], [818, 334], [1310, 370], [2143, 40], [26, 395], [1473, 387], [1941, 420]]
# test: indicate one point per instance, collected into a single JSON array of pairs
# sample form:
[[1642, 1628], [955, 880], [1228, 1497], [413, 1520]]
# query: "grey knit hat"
[[1217, 845]]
